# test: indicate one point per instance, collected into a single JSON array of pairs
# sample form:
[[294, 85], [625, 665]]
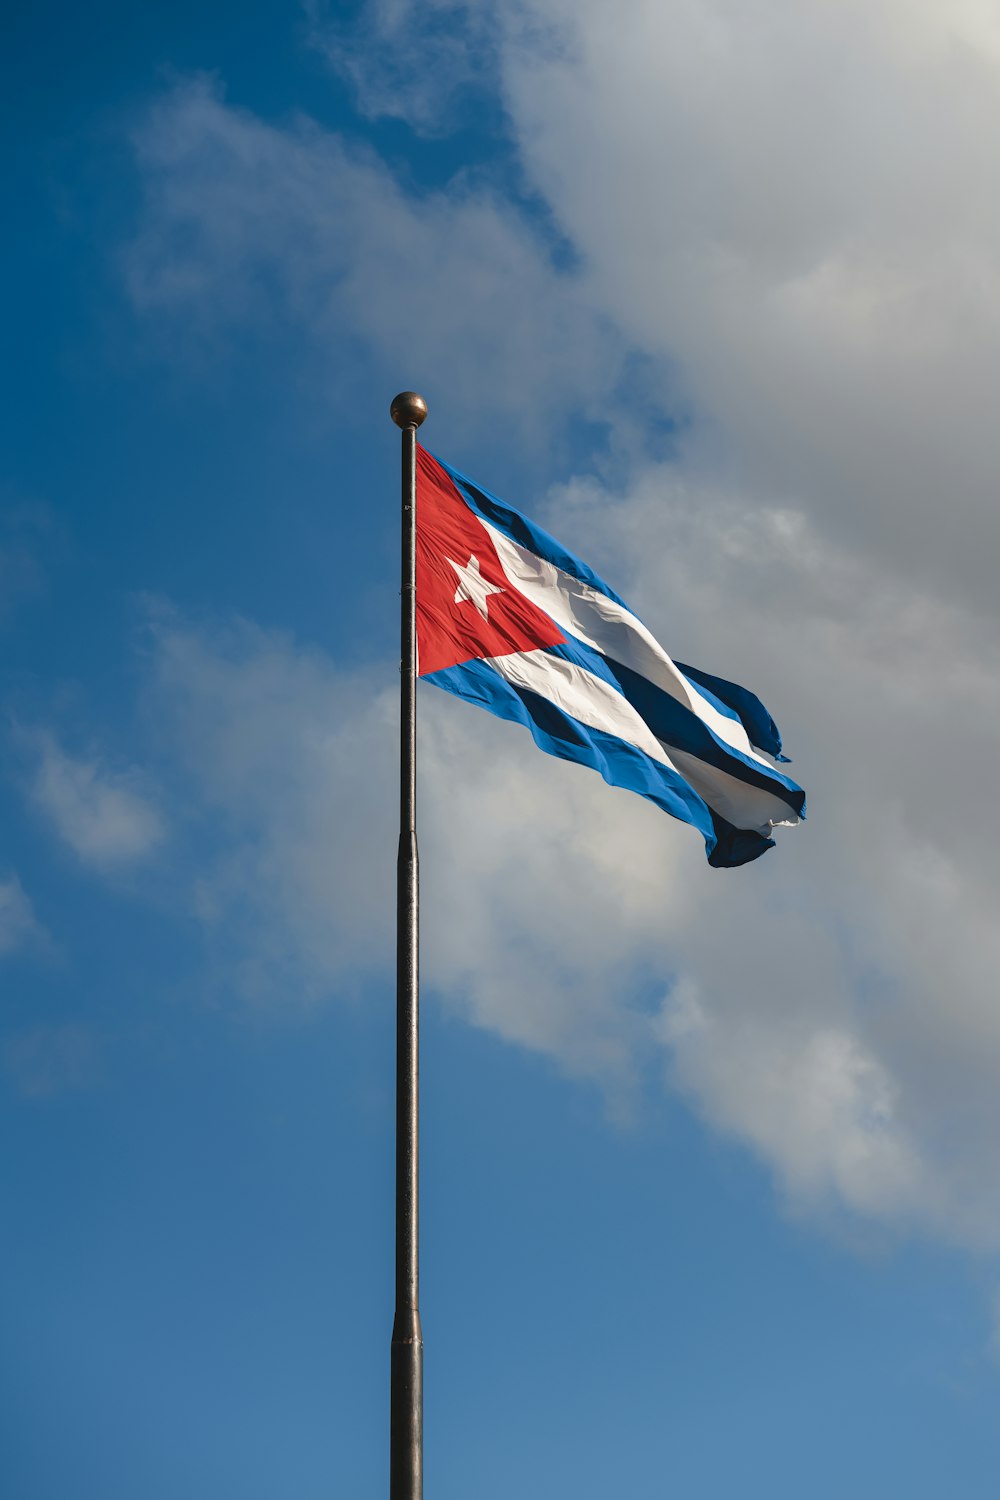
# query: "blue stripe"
[[738, 702], [620, 763], [735, 846], [677, 725], [511, 522]]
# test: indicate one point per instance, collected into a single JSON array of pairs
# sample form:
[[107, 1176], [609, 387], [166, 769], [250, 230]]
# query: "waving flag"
[[509, 619]]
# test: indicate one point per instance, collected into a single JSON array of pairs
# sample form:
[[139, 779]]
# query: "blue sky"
[[711, 1199]]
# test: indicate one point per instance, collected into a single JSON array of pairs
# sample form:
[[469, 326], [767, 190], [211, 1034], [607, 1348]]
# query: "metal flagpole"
[[406, 1440]]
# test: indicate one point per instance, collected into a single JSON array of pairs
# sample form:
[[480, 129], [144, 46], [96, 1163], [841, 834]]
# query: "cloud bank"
[[789, 216], [816, 1011]]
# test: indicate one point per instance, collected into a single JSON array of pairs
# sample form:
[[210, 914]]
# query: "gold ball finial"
[[408, 409]]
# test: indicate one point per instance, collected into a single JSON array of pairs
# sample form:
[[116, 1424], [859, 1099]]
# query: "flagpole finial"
[[408, 409]]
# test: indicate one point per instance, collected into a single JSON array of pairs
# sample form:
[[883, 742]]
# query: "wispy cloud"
[[418, 68], [106, 815], [28, 529], [290, 762], [245, 221], [294, 763], [45, 1061], [18, 923], [18, 576]]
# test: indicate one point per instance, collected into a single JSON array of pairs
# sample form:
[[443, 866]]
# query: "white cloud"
[[790, 212], [106, 816], [295, 761], [794, 205], [422, 73], [853, 971], [811, 1101], [299, 763], [245, 220], [17, 918], [812, 1006]]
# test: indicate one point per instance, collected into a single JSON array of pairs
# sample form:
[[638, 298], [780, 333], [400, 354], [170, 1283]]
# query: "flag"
[[511, 620]]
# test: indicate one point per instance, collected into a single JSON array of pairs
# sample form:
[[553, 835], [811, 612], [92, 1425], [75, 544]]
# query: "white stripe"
[[614, 631], [597, 704], [745, 806], [581, 695]]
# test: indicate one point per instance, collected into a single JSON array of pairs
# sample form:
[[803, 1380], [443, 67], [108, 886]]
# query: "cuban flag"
[[508, 619]]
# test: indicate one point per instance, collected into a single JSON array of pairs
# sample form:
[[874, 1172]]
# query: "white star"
[[473, 586]]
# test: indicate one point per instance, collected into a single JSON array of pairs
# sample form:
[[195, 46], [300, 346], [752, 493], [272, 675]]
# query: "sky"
[[711, 1187]]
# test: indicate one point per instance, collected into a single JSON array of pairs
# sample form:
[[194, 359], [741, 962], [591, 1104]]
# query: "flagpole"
[[406, 1442]]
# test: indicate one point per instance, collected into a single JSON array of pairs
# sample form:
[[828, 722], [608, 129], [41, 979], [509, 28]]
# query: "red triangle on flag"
[[467, 607]]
